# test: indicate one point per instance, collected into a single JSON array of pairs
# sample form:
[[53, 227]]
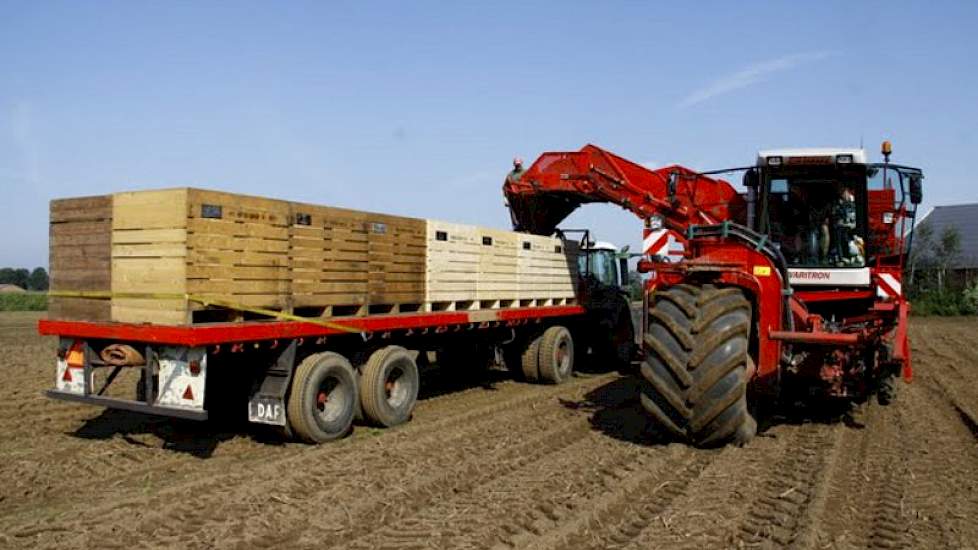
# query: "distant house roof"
[[10, 288], [964, 218]]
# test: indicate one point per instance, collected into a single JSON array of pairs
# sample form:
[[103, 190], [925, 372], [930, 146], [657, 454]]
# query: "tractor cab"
[[833, 214], [603, 263]]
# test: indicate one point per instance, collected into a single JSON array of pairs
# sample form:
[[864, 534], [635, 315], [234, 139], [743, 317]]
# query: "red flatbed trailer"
[[310, 379], [259, 331]]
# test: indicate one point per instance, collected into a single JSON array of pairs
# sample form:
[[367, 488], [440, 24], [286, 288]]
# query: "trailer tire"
[[530, 362], [555, 358], [695, 367], [389, 385], [323, 398]]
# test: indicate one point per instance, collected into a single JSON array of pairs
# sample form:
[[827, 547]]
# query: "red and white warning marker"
[[888, 285], [664, 243], [183, 373]]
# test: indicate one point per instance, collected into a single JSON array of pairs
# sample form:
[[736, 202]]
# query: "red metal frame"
[[222, 333]]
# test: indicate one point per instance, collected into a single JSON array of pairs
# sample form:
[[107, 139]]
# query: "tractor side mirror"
[[916, 189], [750, 179], [623, 271]]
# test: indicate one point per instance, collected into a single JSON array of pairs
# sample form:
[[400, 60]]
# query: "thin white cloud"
[[752, 74]]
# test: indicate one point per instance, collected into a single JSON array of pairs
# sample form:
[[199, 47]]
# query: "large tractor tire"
[[323, 398], [695, 366]]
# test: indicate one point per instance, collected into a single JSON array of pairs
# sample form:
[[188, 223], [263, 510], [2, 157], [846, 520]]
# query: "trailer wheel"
[[389, 386], [556, 355], [323, 398], [530, 362], [695, 366]]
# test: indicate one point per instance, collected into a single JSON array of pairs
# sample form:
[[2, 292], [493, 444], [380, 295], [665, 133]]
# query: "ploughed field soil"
[[501, 465]]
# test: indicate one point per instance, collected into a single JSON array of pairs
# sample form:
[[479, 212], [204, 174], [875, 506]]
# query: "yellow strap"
[[105, 295]]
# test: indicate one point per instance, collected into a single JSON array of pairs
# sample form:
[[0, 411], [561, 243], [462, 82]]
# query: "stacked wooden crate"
[[81, 256], [180, 256], [345, 261], [546, 270], [474, 267], [167, 244]]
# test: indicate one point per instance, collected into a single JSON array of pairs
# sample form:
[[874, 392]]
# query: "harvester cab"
[[833, 215]]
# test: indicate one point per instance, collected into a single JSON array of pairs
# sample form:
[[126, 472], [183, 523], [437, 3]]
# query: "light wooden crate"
[[546, 270], [476, 268]]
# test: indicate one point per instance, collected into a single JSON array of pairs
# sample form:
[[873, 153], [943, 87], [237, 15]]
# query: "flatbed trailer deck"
[[310, 379]]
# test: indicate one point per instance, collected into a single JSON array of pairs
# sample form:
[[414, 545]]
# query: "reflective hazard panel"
[[183, 373], [70, 378]]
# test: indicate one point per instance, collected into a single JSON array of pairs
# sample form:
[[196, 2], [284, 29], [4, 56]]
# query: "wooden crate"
[[546, 270], [452, 265], [474, 268], [352, 261], [209, 244], [80, 256], [153, 249]]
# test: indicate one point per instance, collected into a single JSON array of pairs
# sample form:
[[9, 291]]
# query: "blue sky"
[[416, 108]]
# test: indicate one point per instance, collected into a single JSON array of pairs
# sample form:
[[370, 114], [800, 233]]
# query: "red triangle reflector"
[[188, 394], [66, 377]]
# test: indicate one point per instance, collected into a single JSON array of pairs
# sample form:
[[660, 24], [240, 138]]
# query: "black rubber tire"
[[322, 399], [555, 358], [513, 360], [695, 366], [389, 385], [530, 362]]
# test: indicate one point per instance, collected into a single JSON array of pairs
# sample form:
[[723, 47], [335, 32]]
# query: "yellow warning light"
[[762, 270], [886, 148]]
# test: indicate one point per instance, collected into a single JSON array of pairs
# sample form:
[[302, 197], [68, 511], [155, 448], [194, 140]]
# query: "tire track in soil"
[[125, 461], [620, 515], [782, 514], [943, 472], [868, 485], [146, 471], [450, 498], [435, 491], [490, 425]]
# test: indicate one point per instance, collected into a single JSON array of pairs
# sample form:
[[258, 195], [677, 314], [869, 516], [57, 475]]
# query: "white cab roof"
[[602, 245], [858, 155]]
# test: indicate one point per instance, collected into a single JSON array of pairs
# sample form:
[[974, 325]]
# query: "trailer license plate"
[[266, 410]]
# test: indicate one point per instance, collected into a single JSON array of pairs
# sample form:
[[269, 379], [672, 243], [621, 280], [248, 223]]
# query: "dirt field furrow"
[[779, 512], [498, 466]]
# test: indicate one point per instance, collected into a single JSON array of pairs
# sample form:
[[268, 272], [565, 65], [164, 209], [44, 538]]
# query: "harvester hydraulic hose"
[[759, 242]]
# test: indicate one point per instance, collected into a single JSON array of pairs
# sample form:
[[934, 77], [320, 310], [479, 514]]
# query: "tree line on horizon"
[[35, 280]]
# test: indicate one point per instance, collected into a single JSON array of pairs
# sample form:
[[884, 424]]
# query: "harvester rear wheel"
[[695, 366]]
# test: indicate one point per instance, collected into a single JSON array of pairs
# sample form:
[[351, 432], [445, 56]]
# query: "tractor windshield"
[[818, 219], [600, 264]]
